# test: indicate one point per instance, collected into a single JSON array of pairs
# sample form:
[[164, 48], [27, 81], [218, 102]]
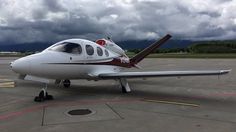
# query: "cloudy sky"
[[25, 21]]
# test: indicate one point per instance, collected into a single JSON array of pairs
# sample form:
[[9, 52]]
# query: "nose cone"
[[20, 66]]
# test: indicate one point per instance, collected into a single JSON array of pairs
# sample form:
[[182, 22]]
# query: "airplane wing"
[[161, 74]]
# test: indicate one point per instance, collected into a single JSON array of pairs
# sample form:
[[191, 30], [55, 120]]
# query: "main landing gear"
[[124, 85], [66, 83], [43, 95]]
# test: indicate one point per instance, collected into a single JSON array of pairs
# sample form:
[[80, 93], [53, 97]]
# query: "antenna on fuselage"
[[109, 38]]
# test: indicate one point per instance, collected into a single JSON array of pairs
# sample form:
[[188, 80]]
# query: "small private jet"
[[84, 59]]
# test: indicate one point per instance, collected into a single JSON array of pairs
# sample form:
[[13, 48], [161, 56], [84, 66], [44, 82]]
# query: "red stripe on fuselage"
[[114, 62]]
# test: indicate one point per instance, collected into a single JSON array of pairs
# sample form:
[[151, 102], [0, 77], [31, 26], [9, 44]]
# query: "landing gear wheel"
[[43, 96], [48, 97], [40, 98], [66, 83]]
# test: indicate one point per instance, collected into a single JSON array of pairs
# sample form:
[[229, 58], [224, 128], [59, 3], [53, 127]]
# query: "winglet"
[[225, 71], [141, 55]]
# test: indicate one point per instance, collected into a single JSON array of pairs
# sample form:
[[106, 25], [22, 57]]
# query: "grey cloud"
[[53, 20], [53, 5], [77, 26], [39, 14], [209, 31], [211, 14], [47, 6]]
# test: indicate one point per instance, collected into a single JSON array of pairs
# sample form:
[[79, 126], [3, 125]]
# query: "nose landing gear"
[[43, 95]]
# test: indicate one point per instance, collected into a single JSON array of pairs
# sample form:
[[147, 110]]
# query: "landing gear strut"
[[66, 83], [43, 95], [124, 85]]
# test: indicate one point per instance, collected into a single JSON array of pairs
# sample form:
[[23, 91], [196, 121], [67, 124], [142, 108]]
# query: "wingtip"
[[168, 35], [225, 71]]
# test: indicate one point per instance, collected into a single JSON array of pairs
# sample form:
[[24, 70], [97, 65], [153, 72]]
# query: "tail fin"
[[141, 55]]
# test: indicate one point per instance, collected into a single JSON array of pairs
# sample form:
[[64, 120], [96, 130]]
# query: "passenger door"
[[78, 54]]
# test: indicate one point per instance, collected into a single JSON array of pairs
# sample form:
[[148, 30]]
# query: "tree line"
[[201, 47]]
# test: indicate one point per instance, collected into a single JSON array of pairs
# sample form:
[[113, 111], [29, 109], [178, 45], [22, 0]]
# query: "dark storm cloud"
[[77, 23], [210, 31], [47, 6], [54, 20], [53, 5], [211, 14]]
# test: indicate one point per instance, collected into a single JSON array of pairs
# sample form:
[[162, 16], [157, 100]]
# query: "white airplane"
[[84, 59]]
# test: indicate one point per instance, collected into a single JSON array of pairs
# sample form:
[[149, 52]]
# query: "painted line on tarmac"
[[7, 85], [18, 113], [172, 102], [61, 103], [223, 94], [12, 102], [5, 80]]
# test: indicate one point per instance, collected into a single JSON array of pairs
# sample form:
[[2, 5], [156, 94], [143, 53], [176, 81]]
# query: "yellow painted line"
[[5, 80], [7, 86], [7, 83], [172, 102]]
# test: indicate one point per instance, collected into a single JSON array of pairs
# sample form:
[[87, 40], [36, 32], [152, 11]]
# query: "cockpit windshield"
[[68, 47]]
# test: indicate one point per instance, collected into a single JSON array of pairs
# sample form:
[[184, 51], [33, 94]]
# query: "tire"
[[41, 94], [48, 97], [38, 99]]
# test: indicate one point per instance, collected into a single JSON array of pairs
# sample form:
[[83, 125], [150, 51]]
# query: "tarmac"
[[170, 104]]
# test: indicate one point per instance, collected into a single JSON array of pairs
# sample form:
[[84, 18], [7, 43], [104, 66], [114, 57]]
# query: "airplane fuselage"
[[86, 62]]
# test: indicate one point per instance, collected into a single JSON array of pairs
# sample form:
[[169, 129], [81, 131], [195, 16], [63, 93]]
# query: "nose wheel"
[[43, 95]]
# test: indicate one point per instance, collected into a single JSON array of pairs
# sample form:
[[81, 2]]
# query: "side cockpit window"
[[99, 51], [68, 47], [89, 49], [106, 53]]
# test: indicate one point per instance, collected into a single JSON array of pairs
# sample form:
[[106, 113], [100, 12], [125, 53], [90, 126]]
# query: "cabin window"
[[68, 47], [106, 53], [89, 49], [99, 51]]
